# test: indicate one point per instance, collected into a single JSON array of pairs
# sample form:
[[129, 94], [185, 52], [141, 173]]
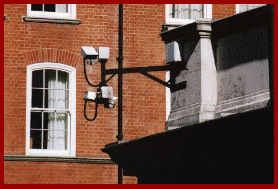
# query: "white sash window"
[[63, 11], [50, 110], [187, 13]]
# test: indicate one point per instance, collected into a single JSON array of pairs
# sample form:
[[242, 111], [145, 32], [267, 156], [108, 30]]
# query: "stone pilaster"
[[208, 72], [197, 102]]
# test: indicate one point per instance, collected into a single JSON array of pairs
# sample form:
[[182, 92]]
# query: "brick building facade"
[[30, 39]]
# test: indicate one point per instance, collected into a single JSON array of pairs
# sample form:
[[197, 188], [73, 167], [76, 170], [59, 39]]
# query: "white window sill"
[[52, 20], [175, 21], [49, 153]]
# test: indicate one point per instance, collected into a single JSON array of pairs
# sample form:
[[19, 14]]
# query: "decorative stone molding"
[[51, 20], [204, 27], [168, 27], [243, 104]]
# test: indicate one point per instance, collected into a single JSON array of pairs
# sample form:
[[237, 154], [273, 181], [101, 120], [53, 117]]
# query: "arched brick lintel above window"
[[52, 55]]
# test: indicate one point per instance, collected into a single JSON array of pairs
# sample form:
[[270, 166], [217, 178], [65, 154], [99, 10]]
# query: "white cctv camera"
[[89, 54], [103, 96], [89, 95]]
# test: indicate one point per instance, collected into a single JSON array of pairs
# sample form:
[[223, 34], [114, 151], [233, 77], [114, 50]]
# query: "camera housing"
[[103, 53], [104, 95], [89, 52]]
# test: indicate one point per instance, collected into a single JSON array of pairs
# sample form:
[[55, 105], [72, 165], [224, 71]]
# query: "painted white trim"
[[176, 21], [168, 97], [40, 14], [237, 8], [72, 109], [208, 11]]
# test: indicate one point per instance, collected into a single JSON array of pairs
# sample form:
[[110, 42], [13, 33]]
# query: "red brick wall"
[[58, 173], [223, 10], [144, 100]]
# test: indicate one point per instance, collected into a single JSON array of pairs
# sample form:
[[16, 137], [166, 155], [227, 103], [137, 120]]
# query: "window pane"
[[36, 7], [45, 139], [35, 139], [62, 121], [37, 78], [186, 11], [63, 8], [197, 10], [57, 126], [57, 140], [46, 103], [37, 98], [56, 99], [67, 99], [50, 79], [50, 99], [62, 99], [49, 7], [63, 78], [47, 118], [177, 11], [36, 120]]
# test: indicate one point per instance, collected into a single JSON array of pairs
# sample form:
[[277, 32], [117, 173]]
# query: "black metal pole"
[[120, 75], [120, 88], [103, 82]]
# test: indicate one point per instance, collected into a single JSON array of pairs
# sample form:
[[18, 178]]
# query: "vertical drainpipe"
[[120, 87]]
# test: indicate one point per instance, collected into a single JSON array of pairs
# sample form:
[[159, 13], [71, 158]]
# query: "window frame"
[[176, 21], [40, 14], [71, 151]]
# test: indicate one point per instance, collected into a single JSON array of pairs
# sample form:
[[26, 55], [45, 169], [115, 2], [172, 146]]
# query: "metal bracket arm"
[[143, 70], [138, 69], [156, 79]]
